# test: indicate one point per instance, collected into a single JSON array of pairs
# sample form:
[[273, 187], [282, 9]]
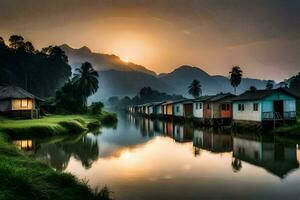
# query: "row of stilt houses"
[[253, 108]]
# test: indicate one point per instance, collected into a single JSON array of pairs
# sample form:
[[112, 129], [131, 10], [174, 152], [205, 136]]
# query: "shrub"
[[96, 108], [109, 119]]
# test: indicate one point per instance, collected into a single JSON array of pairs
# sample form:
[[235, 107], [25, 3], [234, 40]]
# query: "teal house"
[[265, 105]]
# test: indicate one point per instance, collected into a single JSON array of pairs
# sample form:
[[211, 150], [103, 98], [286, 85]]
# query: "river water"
[[146, 159]]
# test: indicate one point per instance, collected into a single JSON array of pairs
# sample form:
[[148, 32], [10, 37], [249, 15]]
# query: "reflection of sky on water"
[[142, 159]]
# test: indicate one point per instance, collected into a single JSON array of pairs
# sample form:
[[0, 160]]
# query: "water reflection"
[[278, 158], [141, 156]]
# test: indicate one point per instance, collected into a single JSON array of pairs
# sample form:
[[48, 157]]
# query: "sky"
[[261, 36]]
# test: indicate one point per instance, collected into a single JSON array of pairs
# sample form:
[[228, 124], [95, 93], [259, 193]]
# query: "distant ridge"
[[101, 62], [118, 78]]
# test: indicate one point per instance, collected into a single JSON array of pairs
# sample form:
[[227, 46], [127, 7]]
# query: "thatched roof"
[[14, 92]]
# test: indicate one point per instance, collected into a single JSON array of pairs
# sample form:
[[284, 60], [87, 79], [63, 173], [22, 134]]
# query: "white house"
[[198, 106], [265, 105]]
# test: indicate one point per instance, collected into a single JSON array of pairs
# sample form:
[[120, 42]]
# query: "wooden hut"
[[217, 109], [265, 107], [168, 109], [158, 108], [183, 108], [198, 106], [16, 102]]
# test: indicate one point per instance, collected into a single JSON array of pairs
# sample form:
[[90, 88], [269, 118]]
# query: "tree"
[[295, 83], [270, 84], [86, 81], [96, 107], [55, 52], [283, 84], [28, 47], [236, 75], [16, 42], [2, 43], [66, 99], [195, 89], [252, 88]]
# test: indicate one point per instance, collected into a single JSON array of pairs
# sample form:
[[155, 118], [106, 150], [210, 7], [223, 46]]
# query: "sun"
[[126, 60]]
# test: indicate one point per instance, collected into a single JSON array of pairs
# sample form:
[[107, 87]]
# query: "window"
[[177, 108], [241, 107], [208, 106], [255, 107], [225, 107], [24, 103], [197, 106], [200, 105]]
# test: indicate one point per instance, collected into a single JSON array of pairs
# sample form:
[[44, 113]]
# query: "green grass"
[[24, 178], [289, 130], [47, 126]]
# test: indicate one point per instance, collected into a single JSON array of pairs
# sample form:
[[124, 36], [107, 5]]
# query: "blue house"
[[265, 105]]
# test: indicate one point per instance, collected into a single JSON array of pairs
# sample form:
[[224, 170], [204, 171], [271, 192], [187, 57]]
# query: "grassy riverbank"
[[24, 178], [54, 125], [289, 130]]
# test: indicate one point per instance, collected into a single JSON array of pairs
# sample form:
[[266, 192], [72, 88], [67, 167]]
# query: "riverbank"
[[289, 130], [24, 178]]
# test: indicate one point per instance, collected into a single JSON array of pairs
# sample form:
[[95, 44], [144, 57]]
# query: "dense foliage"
[[39, 72], [72, 97], [295, 83], [270, 84], [145, 95]]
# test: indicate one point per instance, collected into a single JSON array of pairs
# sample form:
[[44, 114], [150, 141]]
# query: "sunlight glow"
[[126, 155], [126, 60]]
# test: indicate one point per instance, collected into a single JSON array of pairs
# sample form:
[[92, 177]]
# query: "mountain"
[[101, 62], [181, 78], [127, 83], [118, 78]]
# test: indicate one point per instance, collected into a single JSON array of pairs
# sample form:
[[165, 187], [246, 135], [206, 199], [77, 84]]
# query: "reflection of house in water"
[[183, 133], [150, 127], [214, 142], [168, 129], [25, 145], [275, 157], [158, 127]]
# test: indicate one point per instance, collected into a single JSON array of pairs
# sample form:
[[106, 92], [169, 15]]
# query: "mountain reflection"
[[277, 158]]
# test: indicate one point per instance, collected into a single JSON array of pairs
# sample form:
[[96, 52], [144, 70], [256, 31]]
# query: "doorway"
[[278, 107]]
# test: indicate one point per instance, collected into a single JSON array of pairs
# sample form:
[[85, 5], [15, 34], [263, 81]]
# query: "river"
[[150, 159]]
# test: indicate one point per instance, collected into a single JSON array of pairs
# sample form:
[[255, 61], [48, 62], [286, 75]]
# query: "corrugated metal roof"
[[14, 92]]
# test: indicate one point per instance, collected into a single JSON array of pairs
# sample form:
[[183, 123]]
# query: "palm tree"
[[236, 75], [86, 81], [270, 85], [195, 89]]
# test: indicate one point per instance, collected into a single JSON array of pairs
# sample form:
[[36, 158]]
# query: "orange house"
[[207, 110], [168, 108], [218, 107]]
